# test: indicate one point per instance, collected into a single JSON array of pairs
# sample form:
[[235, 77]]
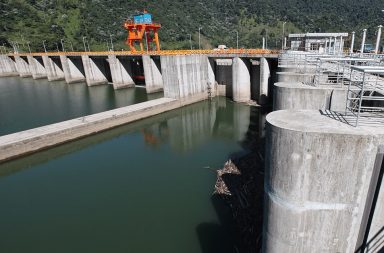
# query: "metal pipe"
[[45, 48], [341, 45], [378, 39], [282, 37], [62, 45], [110, 36], [263, 43], [70, 42], [200, 37], [85, 47], [190, 40], [237, 40]]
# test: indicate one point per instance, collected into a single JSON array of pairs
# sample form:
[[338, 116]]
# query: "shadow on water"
[[241, 213]]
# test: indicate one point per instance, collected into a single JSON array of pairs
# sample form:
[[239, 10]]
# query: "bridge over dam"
[[239, 74]]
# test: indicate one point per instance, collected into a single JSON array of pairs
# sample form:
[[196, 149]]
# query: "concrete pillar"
[[326, 46], [330, 46], [7, 66], [121, 71], [185, 77], [212, 85], [363, 41], [265, 74], [54, 71], [37, 68], [22, 66], [73, 71], [241, 87], [93, 74], [352, 43], [152, 74], [317, 177], [378, 39]]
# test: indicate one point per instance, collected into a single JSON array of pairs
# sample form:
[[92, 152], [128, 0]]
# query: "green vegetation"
[[33, 21]]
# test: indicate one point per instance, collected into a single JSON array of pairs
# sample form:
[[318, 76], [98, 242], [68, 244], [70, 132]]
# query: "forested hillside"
[[33, 21]]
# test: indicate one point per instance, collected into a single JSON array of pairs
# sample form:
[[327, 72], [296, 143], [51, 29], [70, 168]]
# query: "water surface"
[[26, 103], [145, 187]]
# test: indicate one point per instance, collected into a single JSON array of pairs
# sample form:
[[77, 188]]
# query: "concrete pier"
[[186, 76], [53, 68], [265, 74], [73, 69], [121, 71], [36, 66], [152, 73], [94, 69], [295, 95], [7, 66], [241, 87], [318, 176], [22, 66]]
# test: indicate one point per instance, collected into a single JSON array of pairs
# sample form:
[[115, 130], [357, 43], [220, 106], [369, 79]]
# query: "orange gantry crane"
[[141, 29]]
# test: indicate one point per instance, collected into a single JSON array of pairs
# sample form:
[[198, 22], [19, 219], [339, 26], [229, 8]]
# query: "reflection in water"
[[197, 123], [28, 103], [142, 187]]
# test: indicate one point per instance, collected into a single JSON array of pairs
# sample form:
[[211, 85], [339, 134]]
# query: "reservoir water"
[[27, 103], [144, 187]]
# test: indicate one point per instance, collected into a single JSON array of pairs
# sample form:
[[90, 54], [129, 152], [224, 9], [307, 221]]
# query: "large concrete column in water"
[[22, 66], [318, 173], [241, 87], [152, 74], [37, 67], [265, 74], [7, 66], [73, 69], [121, 71], [53, 68], [93, 73]]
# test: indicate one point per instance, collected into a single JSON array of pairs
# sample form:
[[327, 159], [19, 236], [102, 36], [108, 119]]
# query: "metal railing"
[[337, 71], [156, 53], [365, 96]]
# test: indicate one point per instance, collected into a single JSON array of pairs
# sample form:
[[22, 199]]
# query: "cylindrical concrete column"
[[318, 172], [334, 45], [241, 88]]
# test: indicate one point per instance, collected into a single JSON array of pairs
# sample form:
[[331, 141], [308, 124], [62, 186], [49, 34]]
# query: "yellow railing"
[[162, 52]]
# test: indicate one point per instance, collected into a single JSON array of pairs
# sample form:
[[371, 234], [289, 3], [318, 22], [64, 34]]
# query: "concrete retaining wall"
[[33, 140]]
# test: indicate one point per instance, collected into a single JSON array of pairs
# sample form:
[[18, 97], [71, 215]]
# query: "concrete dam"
[[324, 139]]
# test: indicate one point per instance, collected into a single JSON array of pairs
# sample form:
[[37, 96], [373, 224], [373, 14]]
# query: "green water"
[[27, 103], [145, 187]]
